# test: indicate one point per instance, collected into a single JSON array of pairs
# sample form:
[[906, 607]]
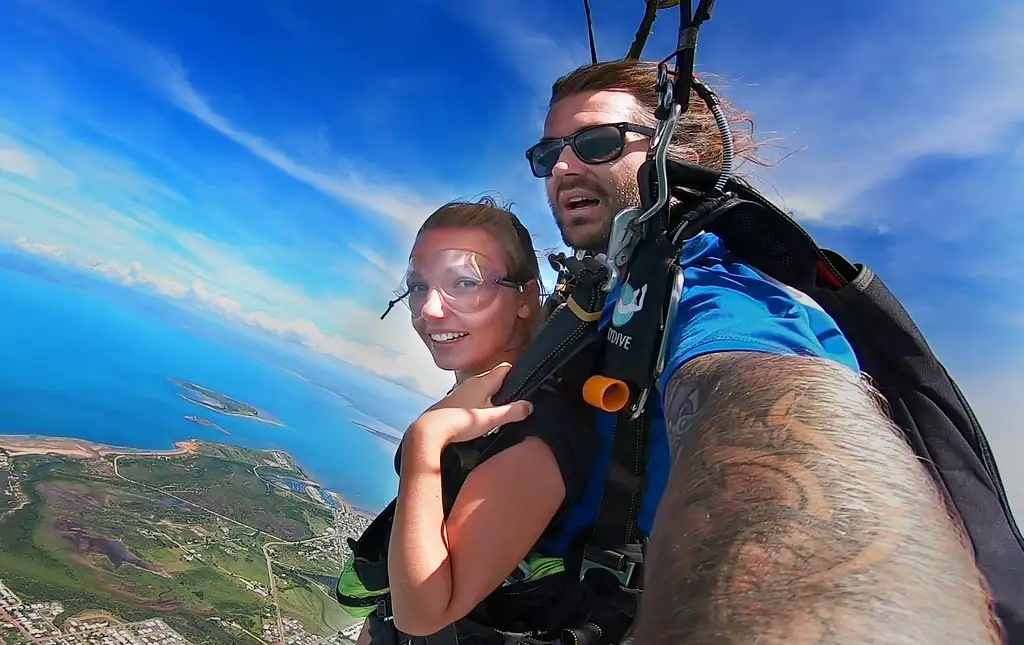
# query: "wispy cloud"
[[899, 94], [30, 164], [895, 92], [403, 359], [138, 250], [16, 162], [166, 75], [395, 202], [47, 250]]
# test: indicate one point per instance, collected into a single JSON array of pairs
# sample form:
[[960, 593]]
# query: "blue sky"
[[269, 160]]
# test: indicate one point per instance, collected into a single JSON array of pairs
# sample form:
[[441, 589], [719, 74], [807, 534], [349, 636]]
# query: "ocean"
[[81, 357]]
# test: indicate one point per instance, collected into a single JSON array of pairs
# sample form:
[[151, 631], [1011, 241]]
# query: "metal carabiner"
[[622, 239], [662, 138]]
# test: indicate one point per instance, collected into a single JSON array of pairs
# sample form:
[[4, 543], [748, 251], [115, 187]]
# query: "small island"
[[206, 423], [221, 403]]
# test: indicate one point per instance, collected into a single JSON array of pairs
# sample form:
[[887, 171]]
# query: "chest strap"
[[634, 347]]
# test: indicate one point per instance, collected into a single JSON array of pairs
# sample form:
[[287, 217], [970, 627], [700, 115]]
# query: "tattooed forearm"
[[795, 513]]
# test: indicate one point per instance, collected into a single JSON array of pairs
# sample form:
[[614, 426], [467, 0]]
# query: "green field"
[[93, 541]]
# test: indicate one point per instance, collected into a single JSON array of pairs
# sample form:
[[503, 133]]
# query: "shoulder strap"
[[572, 326], [633, 350], [758, 232]]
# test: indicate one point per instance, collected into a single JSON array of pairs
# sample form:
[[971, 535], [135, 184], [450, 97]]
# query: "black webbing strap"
[[571, 328], [632, 348], [616, 538]]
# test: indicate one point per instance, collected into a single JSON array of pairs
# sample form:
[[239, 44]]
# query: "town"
[[35, 624], [191, 534]]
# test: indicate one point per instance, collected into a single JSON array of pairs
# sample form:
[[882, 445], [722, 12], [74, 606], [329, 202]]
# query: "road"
[[270, 575], [266, 554]]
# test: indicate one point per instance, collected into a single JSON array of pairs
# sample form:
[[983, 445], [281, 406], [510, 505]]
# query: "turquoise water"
[[87, 359]]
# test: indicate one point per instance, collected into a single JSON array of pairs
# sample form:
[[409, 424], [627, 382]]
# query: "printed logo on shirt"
[[629, 303]]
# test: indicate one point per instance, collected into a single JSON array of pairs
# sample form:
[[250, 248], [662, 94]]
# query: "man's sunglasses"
[[593, 144]]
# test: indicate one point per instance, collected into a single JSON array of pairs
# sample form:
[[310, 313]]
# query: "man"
[[789, 510]]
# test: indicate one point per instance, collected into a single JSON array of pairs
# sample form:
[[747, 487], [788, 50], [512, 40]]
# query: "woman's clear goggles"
[[465, 282]]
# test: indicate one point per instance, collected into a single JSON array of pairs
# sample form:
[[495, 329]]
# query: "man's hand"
[[796, 513]]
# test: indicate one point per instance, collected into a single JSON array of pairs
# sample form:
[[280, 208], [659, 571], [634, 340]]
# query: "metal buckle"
[[621, 566], [622, 239]]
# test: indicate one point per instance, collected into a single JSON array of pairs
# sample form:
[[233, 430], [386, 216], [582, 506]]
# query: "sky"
[[270, 161]]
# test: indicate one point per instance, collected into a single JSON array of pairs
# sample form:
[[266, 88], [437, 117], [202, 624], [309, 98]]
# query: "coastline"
[[31, 444], [17, 445]]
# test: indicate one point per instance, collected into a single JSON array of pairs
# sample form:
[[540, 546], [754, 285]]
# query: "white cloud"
[[48, 250], [378, 270], [84, 223], [914, 92], [16, 158], [390, 348], [17, 162], [375, 260], [90, 234], [399, 204], [539, 56], [135, 275]]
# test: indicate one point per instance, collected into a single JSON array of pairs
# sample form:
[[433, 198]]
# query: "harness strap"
[[633, 352], [615, 538], [571, 327]]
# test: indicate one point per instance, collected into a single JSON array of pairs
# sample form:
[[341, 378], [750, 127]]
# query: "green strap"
[[353, 596], [535, 567]]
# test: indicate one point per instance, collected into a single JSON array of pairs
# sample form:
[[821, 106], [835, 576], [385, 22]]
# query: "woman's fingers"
[[488, 418], [492, 379]]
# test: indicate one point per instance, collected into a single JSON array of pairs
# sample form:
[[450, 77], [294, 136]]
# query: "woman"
[[473, 287]]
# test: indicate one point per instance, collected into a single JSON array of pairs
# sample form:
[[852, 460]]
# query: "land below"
[[186, 536]]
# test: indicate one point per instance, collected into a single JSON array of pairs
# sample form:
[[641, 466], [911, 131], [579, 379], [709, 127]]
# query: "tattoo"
[[795, 513], [684, 397]]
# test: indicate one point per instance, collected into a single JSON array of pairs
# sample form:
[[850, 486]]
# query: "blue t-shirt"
[[726, 306]]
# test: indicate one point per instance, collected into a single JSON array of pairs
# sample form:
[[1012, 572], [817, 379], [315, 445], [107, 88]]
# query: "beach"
[[79, 448]]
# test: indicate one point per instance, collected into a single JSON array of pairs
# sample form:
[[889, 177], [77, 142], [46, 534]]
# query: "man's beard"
[[620, 194]]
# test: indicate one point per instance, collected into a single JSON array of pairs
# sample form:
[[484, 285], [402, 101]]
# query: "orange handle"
[[608, 394]]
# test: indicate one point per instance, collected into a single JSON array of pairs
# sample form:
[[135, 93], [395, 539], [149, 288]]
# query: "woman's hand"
[[440, 565], [467, 413]]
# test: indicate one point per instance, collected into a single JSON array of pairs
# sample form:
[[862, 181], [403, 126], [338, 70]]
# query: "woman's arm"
[[440, 571]]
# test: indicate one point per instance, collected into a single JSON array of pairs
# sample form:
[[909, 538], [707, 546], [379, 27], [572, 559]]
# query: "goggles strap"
[[392, 303]]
